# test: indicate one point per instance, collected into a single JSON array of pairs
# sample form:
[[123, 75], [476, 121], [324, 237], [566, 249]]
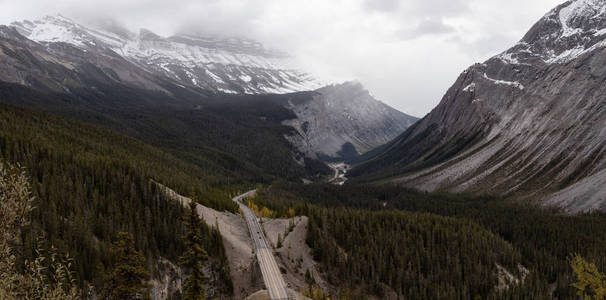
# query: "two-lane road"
[[269, 268]]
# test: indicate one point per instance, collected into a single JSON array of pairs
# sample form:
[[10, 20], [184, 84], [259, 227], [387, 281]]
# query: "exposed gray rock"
[[588, 194], [344, 120], [227, 65], [61, 67], [525, 124], [58, 55]]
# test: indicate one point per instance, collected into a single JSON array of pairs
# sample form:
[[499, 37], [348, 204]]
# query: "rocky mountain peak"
[[228, 65], [9, 33], [565, 33], [148, 35], [342, 121], [527, 123]]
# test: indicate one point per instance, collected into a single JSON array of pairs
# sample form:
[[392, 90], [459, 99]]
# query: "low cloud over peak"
[[406, 52]]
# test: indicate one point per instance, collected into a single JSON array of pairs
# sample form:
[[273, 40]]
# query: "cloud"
[[382, 5], [406, 52], [428, 26], [429, 8]]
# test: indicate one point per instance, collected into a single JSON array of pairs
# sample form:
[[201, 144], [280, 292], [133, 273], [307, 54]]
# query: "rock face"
[[57, 55], [60, 67], [219, 64], [529, 123], [341, 121]]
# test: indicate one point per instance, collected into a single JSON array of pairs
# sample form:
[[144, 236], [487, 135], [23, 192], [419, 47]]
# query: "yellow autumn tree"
[[291, 212], [591, 283]]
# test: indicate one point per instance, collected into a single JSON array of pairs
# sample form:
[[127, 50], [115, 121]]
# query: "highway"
[[269, 268], [340, 172]]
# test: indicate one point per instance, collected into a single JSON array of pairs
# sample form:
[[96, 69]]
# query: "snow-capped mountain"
[[565, 33], [227, 65], [111, 64], [529, 123]]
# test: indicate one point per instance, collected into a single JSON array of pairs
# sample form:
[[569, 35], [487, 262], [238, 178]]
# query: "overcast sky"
[[407, 53]]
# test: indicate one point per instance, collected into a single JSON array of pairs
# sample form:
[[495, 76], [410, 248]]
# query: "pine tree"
[[127, 279], [194, 256]]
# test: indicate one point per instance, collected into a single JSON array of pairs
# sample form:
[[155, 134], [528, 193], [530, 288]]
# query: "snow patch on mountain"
[[470, 88], [221, 64], [505, 82], [569, 31]]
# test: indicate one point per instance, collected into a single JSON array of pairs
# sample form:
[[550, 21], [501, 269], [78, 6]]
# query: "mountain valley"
[[191, 166], [525, 124]]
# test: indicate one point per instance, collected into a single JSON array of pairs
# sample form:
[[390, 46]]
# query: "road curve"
[[269, 268]]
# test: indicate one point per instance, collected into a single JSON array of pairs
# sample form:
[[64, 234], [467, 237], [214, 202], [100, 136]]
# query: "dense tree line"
[[128, 275], [421, 256], [90, 183], [238, 138], [543, 237], [194, 256]]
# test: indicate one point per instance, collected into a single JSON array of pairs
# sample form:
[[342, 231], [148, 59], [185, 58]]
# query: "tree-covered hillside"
[[359, 231], [235, 136], [90, 183]]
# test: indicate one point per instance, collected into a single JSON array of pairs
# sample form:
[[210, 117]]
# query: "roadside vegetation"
[[358, 231], [88, 185], [47, 275]]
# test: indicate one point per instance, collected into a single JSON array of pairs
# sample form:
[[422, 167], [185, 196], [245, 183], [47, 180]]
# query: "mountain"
[[342, 121], [527, 123], [56, 54], [241, 134], [227, 65], [156, 137]]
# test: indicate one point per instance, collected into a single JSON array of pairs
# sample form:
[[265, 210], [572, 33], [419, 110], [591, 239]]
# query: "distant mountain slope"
[[217, 64], [339, 122], [240, 133], [526, 123], [113, 68], [239, 138]]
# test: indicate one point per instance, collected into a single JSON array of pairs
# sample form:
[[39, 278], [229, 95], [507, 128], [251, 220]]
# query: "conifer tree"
[[127, 279], [194, 256]]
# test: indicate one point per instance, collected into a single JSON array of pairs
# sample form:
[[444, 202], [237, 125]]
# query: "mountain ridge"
[[329, 123], [207, 63], [524, 124], [58, 55]]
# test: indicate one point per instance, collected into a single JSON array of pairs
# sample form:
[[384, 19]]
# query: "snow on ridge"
[[579, 8], [214, 77], [51, 29], [246, 78], [507, 57], [274, 72], [504, 82], [579, 24], [470, 88]]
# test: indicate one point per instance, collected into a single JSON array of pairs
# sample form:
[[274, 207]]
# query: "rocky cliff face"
[[529, 123], [218, 64], [62, 68], [58, 55], [339, 122]]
